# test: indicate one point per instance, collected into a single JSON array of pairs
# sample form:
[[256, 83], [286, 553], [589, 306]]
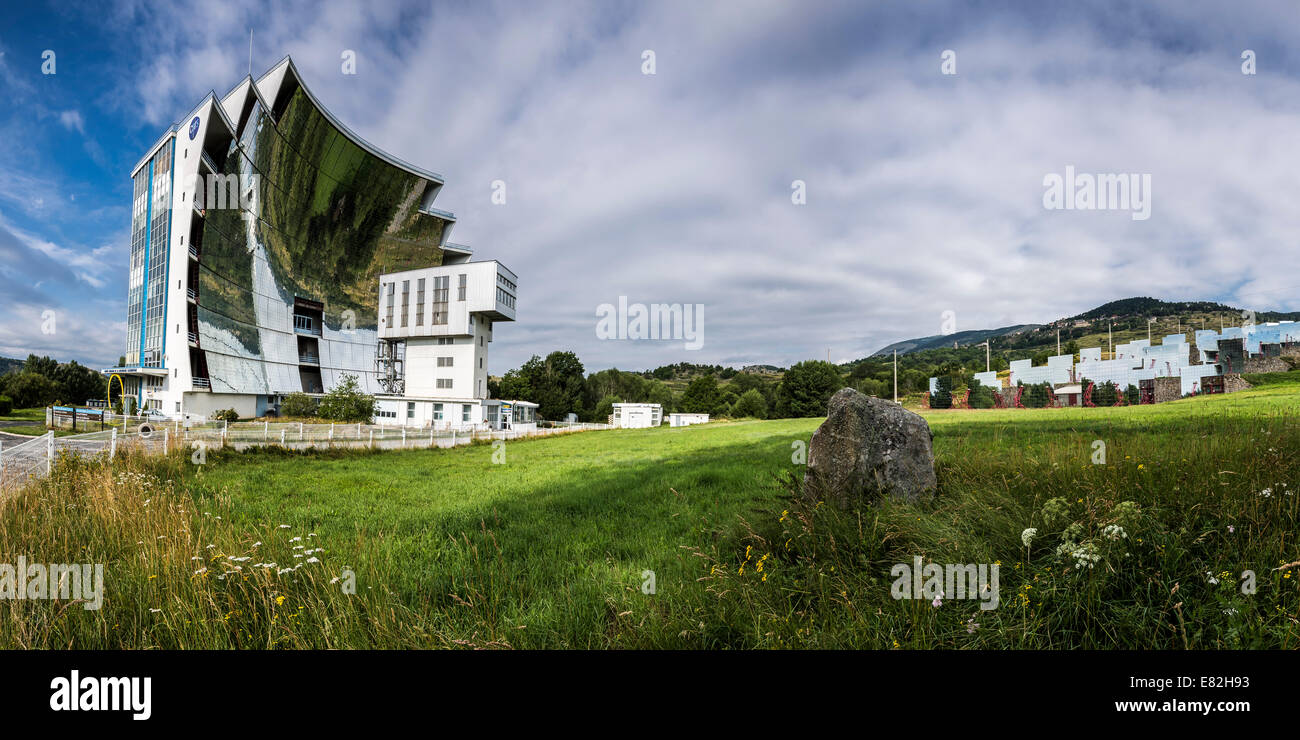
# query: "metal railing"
[[23, 462], [308, 359], [203, 383]]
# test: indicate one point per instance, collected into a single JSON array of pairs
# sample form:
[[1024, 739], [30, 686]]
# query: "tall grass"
[[551, 548], [178, 575]]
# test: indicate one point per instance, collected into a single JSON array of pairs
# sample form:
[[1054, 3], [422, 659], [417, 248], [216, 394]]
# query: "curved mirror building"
[[262, 234]]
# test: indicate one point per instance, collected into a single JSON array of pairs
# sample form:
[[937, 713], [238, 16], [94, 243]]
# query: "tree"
[[29, 389], [78, 383], [6, 406], [46, 366], [807, 388], [873, 387], [942, 398], [346, 403], [1132, 396], [750, 404], [701, 396], [298, 405], [604, 407], [561, 387], [555, 384]]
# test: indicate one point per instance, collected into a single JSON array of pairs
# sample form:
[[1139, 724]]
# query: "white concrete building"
[[636, 415], [685, 420], [435, 327]]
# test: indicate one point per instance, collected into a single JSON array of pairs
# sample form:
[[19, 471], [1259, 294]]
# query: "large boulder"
[[868, 448]]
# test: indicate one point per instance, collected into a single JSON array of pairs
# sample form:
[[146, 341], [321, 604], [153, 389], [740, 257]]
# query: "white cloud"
[[924, 190], [72, 120]]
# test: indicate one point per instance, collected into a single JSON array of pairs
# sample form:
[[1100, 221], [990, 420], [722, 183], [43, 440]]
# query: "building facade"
[[435, 326], [261, 227]]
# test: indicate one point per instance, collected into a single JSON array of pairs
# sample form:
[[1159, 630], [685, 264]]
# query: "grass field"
[[550, 547]]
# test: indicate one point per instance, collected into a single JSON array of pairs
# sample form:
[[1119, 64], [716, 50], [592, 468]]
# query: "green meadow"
[[1184, 535]]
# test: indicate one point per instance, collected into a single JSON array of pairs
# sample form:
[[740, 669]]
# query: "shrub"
[[6, 406], [750, 404], [30, 390], [1037, 396], [228, 415], [298, 405], [942, 399], [981, 397], [807, 387], [346, 403], [1132, 396]]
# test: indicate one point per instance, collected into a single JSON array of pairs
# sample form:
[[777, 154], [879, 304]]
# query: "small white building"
[[685, 420], [459, 414], [636, 415]]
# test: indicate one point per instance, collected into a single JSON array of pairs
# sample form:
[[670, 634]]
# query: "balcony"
[[194, 252], [201, 384], [306, 325], [308, 359], [192, 295], [194, 339]]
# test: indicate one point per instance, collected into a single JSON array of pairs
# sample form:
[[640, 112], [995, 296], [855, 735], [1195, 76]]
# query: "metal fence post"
[[167, 436], [112, 444], [403, 437], [372, 437], [266, 429], [49, 452], [282, 431], [300, 437]]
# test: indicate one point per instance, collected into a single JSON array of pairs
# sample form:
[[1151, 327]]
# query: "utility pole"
[[987, 361], [895, 376], [1058, 341], [1110, 339]]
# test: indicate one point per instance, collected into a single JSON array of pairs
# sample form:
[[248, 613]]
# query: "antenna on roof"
[[250, 52]]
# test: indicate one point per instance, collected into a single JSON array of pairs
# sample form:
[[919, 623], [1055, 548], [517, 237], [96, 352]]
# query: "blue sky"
[[924, 189]]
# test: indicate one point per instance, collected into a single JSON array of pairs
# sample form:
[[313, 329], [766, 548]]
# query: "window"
[[464, 412], [445, 362], [437, 412], [446, 340], [444, 382], [406, 301], [419, 303], [460, 287], [390, 289], [440, 291], [178, 407], [410, 410], [480, 363]]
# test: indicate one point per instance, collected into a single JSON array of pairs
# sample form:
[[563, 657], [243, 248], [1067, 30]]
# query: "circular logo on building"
[[194, 128]]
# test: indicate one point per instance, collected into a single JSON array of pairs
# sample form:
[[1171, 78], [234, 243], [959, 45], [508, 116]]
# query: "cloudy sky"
[[924, 190]]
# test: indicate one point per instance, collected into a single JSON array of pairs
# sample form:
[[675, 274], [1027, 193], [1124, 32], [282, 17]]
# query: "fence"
[[29, 459]]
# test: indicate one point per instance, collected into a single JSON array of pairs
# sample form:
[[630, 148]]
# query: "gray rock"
[[868, 448]]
